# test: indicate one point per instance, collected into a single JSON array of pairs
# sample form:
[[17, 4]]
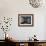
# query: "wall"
[[11, 8]]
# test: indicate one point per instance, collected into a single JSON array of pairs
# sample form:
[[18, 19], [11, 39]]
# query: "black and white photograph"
[[25, 19]]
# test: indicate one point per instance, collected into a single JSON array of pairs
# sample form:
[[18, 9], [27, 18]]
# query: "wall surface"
[[11, 8]]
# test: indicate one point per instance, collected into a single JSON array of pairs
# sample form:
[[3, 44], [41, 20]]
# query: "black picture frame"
[[26, 20]]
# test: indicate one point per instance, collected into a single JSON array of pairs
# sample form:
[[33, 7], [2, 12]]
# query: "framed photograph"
[[25, 19]]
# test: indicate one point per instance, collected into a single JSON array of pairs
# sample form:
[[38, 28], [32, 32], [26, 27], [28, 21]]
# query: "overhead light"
[[36, 3]]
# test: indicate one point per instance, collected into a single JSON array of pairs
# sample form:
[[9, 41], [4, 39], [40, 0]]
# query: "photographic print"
[[25, 20]]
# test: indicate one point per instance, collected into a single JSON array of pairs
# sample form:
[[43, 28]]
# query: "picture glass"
[[25, 20]]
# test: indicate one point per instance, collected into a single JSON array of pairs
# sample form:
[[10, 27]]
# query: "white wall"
[[11, 8]]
